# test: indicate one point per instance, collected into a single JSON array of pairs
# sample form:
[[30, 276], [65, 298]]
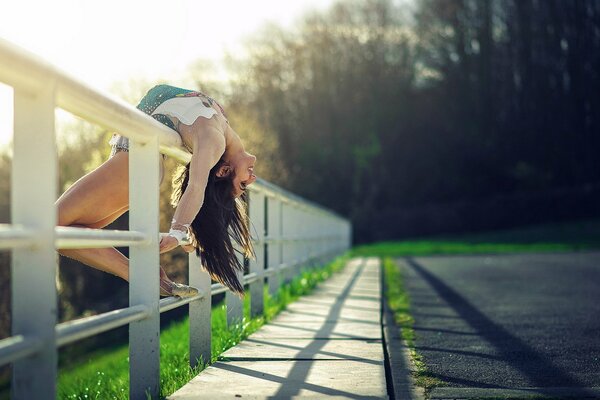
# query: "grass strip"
[[106, 372], [550, 237], [422, 248], [399, 302]]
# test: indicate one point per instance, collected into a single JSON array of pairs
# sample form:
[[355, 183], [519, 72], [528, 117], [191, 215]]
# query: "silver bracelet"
[[182, 237]]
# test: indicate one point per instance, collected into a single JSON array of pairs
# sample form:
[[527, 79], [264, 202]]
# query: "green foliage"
[[320, 89], [106, 372]]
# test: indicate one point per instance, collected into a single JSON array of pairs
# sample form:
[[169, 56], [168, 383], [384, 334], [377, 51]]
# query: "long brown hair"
[[221, 218]]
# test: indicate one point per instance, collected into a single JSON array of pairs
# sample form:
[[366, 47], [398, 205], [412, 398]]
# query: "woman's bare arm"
[[208, 145], [207, 152]]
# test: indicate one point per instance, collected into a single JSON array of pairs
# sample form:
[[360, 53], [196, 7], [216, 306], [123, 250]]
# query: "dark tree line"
[[527, 76], [378, 107]]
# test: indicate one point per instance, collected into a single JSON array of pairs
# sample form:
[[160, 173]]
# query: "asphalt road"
[[507, 321]]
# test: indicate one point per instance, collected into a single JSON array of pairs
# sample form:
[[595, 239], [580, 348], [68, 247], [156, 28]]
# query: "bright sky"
[[100, 42]]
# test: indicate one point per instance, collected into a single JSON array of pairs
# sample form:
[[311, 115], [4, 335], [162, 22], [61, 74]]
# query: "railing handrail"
[[23, 69], [288, 247]]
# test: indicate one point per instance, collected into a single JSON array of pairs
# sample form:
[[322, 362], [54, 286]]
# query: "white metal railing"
[[291, 231]]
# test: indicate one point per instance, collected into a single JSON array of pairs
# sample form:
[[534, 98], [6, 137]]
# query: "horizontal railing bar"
[[263, 273], [12, 236], [68, 237], [72, 331], [273, 191], [27, 71], [217, 288], [18, 347], [291, 239], [251, 277], [270, 271], [173, 302]]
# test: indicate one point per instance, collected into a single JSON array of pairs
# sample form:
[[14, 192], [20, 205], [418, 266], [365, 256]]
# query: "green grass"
[[399, 303], [105, 373], [567, 236]]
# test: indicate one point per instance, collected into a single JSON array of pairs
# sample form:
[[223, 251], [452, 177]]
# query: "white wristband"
[[182, 237]]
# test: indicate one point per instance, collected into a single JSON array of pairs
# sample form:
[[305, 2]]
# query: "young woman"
[[208, 193]]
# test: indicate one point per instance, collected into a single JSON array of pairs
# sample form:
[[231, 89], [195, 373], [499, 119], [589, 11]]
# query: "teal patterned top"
[[158, 95]]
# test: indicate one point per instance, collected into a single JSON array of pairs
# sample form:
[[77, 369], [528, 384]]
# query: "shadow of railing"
[[505, 343]]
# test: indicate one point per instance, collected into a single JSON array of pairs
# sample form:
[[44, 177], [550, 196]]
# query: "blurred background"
[[411, 118]]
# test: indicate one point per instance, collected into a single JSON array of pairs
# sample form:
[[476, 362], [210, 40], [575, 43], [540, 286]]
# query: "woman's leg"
[[94, 201]]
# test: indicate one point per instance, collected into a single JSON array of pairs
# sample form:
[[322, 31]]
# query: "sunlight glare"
[[6, 115], [101, 43]]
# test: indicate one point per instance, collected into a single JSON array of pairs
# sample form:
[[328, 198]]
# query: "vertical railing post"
[[286, 233], [200, 313], [323, 225], [328, 245], [293, 230], [234, 304], [274, 249], [311, 248], [34, 187], [295, 235], [144, 273], [348, 230], [257, 217], [297, 229], [292, 234], [302, 230]]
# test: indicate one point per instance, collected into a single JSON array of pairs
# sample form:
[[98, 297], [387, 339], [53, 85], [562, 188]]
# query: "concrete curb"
[[398, 363]]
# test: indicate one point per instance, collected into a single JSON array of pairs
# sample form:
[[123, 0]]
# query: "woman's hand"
[[167, 243], [188, 248]]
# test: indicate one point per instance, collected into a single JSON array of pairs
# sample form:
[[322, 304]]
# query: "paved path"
[[508, 321], [327, 344]]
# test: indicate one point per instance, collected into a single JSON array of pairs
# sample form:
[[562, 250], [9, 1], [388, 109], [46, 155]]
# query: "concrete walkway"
[[327, 344]]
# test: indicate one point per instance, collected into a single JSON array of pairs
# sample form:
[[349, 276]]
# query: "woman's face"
[[243, 168]]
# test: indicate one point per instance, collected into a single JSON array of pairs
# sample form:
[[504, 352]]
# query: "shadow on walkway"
[[300, 371]]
